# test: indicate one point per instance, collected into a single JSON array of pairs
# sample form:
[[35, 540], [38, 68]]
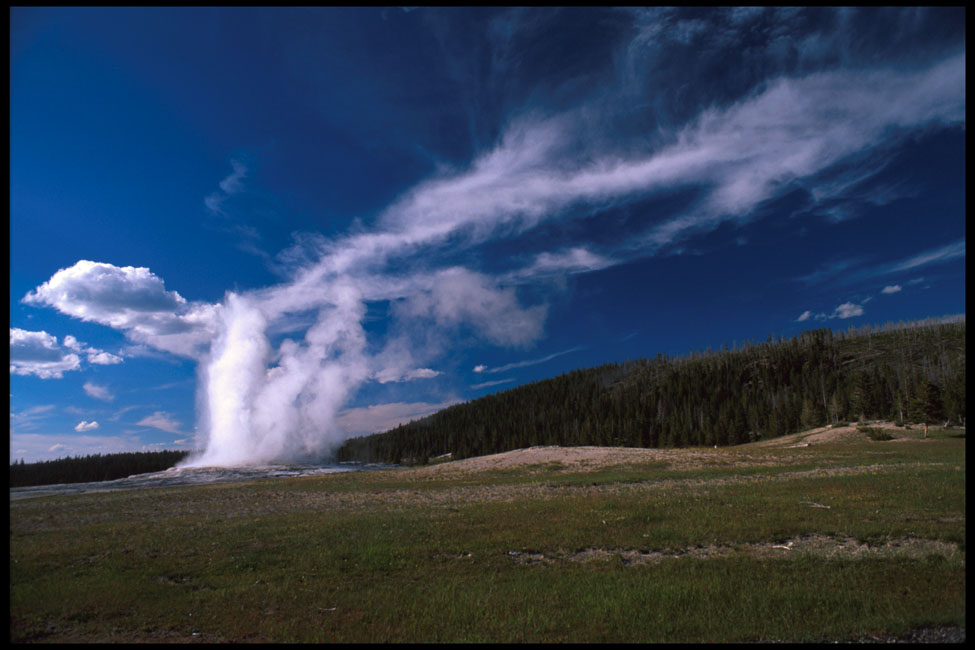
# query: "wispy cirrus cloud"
[[459, 296], [828, 271], [162, 421], [943, 254], [30, 418], [496, 382], [852, 271], [229, 186], [248, 238], [577, 259], [382, 417], [390, 375], [528, 362], [738, 157], [125, 409]]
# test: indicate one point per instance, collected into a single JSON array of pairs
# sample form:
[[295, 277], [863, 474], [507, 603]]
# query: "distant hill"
[[901, 371]]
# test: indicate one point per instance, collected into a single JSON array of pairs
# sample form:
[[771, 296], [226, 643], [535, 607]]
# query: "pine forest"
[[903, 372]]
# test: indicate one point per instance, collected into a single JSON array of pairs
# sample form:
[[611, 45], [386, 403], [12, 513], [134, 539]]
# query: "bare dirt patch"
[[825, 546], [574, 458], [821, 435], [588, 458]]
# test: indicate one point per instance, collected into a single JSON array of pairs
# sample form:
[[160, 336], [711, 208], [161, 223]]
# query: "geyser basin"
[[178, 476]]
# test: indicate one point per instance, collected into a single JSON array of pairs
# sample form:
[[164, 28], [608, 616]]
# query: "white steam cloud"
[[265, 405]]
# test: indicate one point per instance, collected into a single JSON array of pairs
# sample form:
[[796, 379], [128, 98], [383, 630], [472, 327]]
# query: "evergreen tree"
[[861, 396], [926, 405], [834, 409], [812, 414], [954, 397]]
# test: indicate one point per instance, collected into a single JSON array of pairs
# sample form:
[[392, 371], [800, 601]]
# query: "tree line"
[[905, 372], [91, 468]]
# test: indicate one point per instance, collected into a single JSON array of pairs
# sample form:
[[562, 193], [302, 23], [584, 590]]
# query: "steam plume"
[[259, 405]]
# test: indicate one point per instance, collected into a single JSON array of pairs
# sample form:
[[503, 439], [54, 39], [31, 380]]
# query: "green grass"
[[380, 556]]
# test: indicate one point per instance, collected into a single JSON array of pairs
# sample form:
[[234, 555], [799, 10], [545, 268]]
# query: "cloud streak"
[[738, 157], [30, 418], [847, 272], [160, 420], [496, 382], [936, 256], [529, 362], [229, 186]]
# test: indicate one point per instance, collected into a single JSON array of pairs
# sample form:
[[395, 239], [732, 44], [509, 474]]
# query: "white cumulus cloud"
[[847, 310], [129, 299], [86, 426], [102, 358], [97, 391], [94, 355], [38, 354]]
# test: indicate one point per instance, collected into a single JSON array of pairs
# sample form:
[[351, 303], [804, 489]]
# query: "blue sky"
[[260, 231]]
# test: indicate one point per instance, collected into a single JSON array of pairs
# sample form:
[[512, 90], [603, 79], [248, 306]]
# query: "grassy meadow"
[[835, 541]]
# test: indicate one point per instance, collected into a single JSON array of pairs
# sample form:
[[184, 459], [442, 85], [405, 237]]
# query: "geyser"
[[260, 406]]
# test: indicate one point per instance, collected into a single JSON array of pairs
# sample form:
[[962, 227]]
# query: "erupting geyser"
[[258, 405]]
